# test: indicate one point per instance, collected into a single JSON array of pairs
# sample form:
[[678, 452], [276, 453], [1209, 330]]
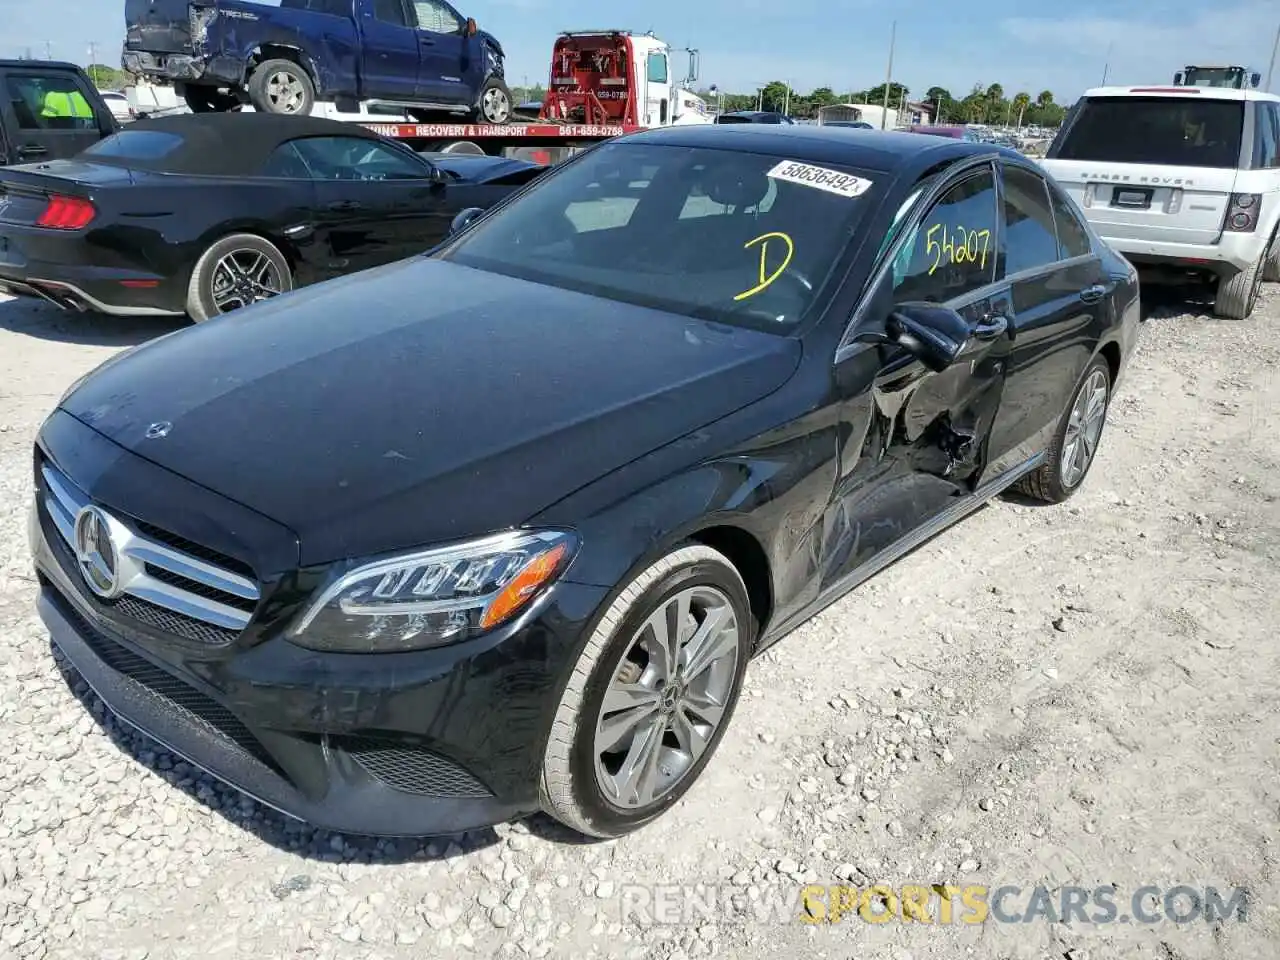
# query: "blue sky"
[[1021, 44]]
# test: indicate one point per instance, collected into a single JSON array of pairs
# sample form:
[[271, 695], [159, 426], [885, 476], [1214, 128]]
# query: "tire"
[[1238, 295], [494, 103], [571, 785], [1271, 266], [203, 300], [207, 99], [1051, 484], [283, 87]]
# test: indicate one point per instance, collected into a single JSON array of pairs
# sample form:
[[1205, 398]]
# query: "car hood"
[[422, 401]]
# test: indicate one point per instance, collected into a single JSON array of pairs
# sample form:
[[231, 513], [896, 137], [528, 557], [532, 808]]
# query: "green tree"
[[1020, 103], [897, 95], [823, 96], [774, 96], [943, 104], [1045, 99], [106, 78]]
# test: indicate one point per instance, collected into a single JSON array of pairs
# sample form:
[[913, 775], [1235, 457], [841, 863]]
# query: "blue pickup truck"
[[282, 56]]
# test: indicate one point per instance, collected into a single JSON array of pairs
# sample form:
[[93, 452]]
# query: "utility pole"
[[1271, 68], [93, 62], [48, 50], [1106, 67], [888, 77]]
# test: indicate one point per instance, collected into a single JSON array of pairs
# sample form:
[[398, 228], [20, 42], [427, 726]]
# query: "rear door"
[[1060, 293], [389, 56], [374, 203], [1152, 168], [442, 44], [49, 113]]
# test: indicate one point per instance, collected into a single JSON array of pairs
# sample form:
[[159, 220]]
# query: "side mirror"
[[933, 335], [1177, 79], [463, 220], [471, 26], [1255, 79]]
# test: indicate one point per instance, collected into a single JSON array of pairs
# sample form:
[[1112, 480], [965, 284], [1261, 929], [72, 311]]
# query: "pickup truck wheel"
[[1238, 294], [236, 272], [281, 86], [207, 99], [495, 102]]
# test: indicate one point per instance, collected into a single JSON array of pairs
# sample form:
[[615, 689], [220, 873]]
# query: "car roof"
[[868, 149], [39, 64], [1201, 93], [229, 144]]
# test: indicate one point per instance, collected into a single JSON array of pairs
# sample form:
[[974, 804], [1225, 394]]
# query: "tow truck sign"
[[833, 181]]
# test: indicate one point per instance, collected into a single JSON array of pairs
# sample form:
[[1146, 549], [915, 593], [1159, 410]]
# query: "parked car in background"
[[201, 214], [502, 527], [1184, 181], [282, 57], [119, 105], [49, 110], [754, 116], [853, 124], [950, 132]]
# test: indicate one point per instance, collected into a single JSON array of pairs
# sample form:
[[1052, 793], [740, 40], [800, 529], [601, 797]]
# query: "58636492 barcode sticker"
[[820, 178]]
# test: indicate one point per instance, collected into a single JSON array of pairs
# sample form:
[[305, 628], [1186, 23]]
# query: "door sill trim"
[[897, 550]]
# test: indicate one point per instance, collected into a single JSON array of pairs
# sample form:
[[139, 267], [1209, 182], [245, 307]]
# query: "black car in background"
[[201, 214], [500, 528], [754, 116], [35, 123]]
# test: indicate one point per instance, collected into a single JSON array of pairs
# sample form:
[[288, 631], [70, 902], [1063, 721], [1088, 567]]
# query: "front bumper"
[[422, 744]]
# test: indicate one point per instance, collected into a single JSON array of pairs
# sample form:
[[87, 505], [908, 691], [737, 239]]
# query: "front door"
[[914, 441], [389, 55], [657, 106], [49, 114], [1060, 291], [443, 44]]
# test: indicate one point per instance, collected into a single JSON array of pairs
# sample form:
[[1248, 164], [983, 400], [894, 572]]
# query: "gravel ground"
[[1077, 695]]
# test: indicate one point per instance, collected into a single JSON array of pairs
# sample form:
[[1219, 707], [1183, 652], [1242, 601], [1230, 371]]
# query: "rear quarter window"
[[1171, 131], [135, 145]]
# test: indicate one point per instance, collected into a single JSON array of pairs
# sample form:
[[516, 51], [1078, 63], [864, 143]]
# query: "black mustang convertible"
[[206, 213], [398, 563]]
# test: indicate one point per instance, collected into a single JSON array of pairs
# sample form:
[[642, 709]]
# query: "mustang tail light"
[[67, 213], [1242, 214]]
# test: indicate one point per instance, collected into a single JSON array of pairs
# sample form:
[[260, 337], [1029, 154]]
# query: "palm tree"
[[1045, 99], [1020, 103]]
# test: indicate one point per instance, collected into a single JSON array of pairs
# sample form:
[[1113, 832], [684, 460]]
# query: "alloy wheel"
[[243, 277], [496, 106], [1084, 427], [667, 697], [285, 91]]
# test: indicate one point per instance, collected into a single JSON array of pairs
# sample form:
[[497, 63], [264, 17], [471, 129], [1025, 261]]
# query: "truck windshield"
[[1171, 131], [737, 237]]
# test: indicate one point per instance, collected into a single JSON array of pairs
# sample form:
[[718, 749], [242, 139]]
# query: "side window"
[[287, 164], [436, 17], [1073, 239], [355, 158], [951, 250], [390, 11], [1266, 140], [49, 102], [657, 68], [1029, 239]]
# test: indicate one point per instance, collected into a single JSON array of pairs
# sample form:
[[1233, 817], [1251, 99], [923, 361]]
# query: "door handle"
[[990, 328], [426, 41], [1093, 294], [345, 206], [32, 150]]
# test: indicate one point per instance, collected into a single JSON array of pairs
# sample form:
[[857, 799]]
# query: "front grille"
[[411, 769], [161, 579], [176, 694]]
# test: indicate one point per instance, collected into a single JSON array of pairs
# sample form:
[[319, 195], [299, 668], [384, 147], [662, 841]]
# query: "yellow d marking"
[[767, 278]]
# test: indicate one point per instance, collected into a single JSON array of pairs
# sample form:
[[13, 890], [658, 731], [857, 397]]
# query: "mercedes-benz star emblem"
[[159, 430], [96, 553]]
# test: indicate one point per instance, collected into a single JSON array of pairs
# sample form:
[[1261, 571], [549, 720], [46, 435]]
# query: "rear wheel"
[[281, 86], [650, 696], [1075, 442], [237, 271], [1237, 295], [207, 99], [1271, 266]]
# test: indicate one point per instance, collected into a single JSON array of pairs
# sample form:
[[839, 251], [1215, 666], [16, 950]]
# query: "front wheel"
[[650, 695], [1075, 442], [237, 271], [207, 99], [494, 103]]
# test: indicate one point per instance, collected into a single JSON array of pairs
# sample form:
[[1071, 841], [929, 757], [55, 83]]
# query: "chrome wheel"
[[1084, 427], [285, 92], [495, 105], [243, 277], [667, 697]]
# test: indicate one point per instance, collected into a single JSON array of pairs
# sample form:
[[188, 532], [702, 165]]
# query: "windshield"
[[723, 235], [1177, 131]]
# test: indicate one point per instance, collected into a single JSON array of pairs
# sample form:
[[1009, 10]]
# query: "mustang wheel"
[[1075, 443], [235, 272], [651, 695]]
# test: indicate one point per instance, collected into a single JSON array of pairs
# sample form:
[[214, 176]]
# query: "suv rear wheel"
[[1238, 294]]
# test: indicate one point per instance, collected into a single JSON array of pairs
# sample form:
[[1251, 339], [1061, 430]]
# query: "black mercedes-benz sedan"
[[501, 527]]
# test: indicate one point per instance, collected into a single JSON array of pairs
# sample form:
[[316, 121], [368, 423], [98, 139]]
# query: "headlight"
[[435, 597]]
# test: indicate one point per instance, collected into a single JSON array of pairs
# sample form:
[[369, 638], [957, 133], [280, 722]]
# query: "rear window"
[[135, 145], [1179, 131]]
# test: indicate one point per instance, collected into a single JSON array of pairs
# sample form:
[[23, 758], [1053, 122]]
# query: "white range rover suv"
[[1183, 181]]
